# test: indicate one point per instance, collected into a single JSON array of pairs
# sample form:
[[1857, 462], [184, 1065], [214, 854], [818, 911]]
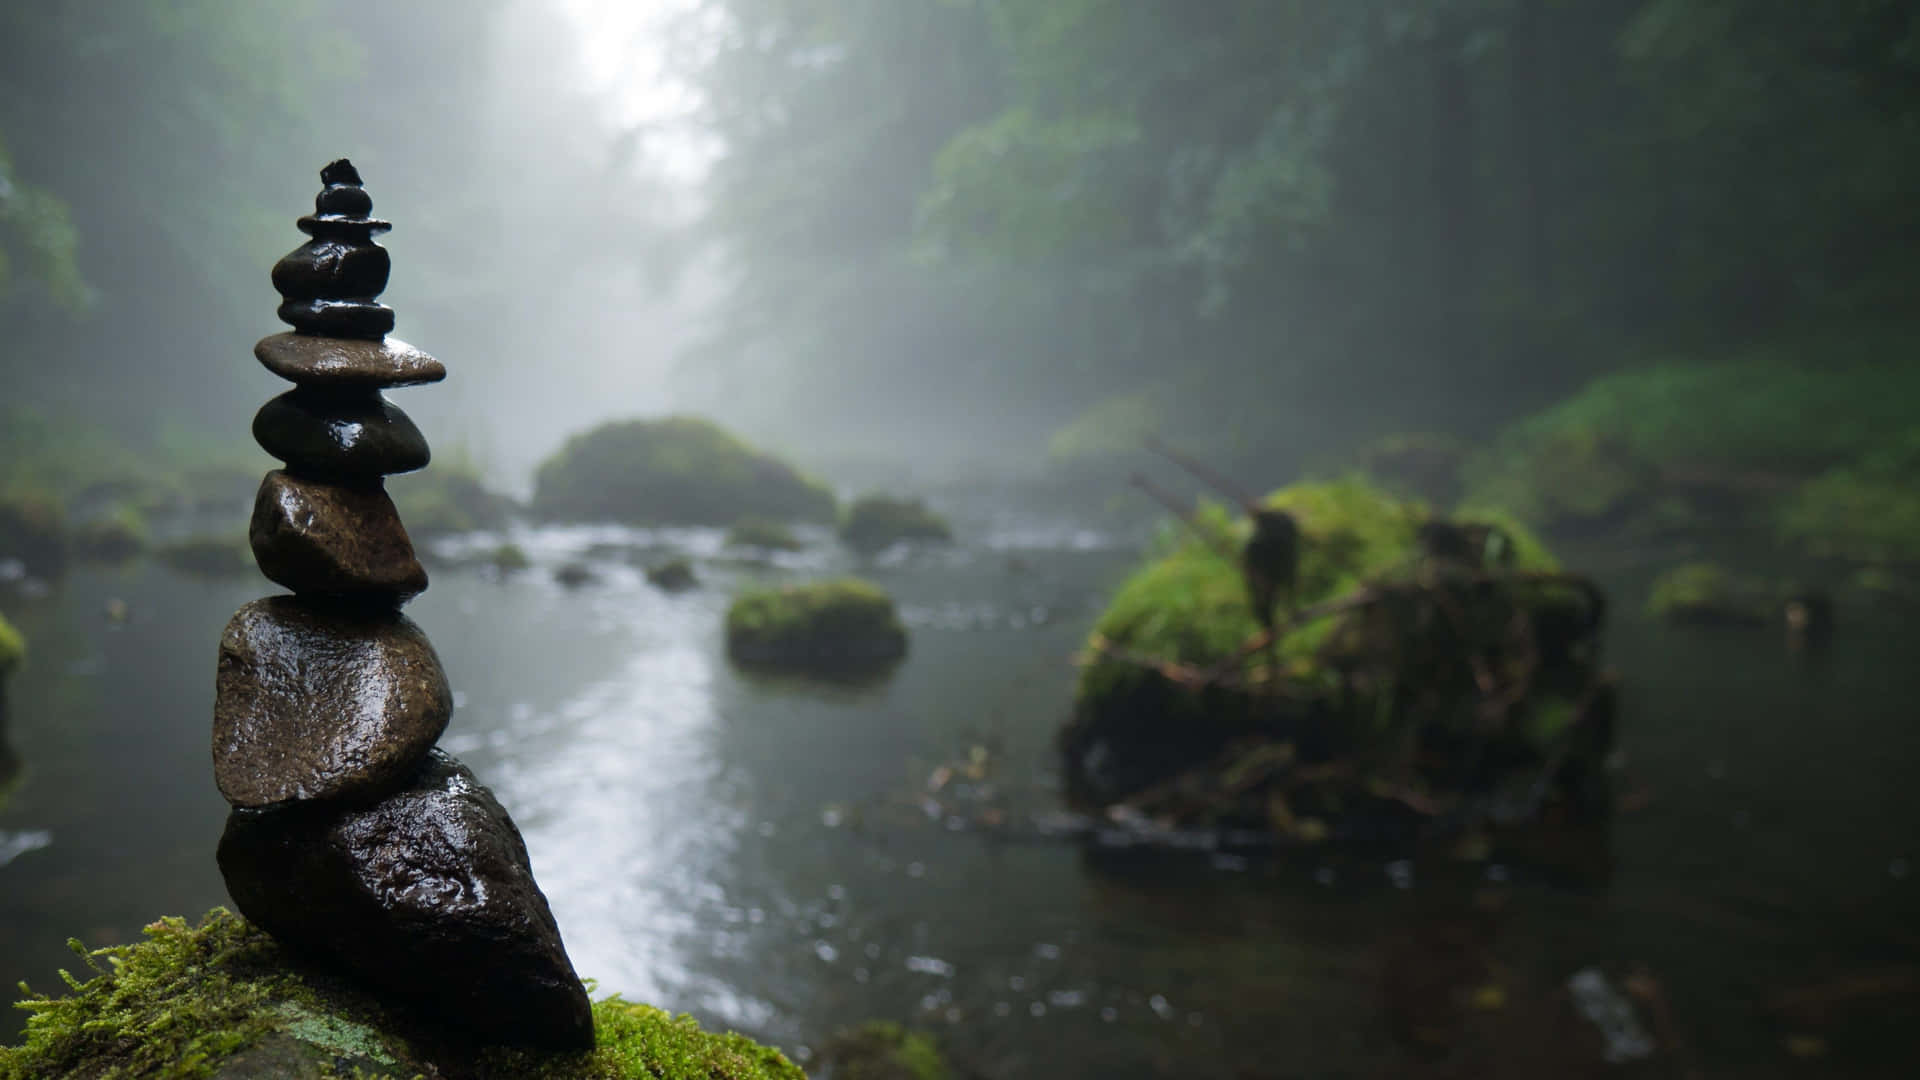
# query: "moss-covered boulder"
[[680, 470], [875, 522], [842, 626], [13, 647], [33, 529], [882, 1050], [1707, 593], [115, 536], [1413, 654], [764, 534], [673, 575], [1867, 510], [448, 499], [209, 556], [220, 1000]]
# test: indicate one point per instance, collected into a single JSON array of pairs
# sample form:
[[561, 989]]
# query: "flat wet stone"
[[318, 702], [317, 537], [352, 318], [332, 361], [427, 895], [355, 433]]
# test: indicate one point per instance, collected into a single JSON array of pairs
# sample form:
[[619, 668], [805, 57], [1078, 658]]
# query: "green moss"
[[209, 556], [1707, 593], [508, 558], [763, 533], [13, 647], [821, 625], [1112, 427], [112, 537], [678, 470], [447, 497], [672, 575], [191, 1001], [875, 522], [1868, 510], [1562, 478], [880, 1050]]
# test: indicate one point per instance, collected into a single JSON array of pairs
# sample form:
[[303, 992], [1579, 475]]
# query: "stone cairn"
[[353, 840]]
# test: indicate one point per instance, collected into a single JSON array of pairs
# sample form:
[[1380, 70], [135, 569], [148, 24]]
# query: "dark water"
[[745, 850]]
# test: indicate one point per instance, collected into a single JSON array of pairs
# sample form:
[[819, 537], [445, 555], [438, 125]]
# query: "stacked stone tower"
[[353, 840]]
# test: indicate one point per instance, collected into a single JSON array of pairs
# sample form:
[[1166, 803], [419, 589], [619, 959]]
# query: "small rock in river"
[[427, 893], [313, 702], [316, 537]]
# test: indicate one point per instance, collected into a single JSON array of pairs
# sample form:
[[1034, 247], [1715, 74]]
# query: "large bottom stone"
[[426, 895]]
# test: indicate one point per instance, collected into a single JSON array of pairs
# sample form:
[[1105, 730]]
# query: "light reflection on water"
[[707, 842]]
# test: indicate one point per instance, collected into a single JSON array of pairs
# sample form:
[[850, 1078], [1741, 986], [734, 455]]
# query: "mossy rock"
[[447, 498], [763, 533], [220, 1000], [673, 575], [33, 529], [876, 522], [508, 558], [1171, 685], [13, 647], [1706, 593], [679, 470], [827, 626], [882, 1050], [1565, 480], [209, 556], [113, 537], [1866, 511]]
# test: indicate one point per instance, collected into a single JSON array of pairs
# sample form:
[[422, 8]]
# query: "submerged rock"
[[427, 894], [224, 1000], [829, 627], [316, 537], [679, 470], [315, 701], [875, 522]]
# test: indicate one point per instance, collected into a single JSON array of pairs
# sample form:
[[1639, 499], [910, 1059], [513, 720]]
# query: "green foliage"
[[826, 624], [37, 235], [1867, 510], [882, 1050], [763, 533], [13, 647], [677, 470], [875, 522], [1702, 592], [189, 998]]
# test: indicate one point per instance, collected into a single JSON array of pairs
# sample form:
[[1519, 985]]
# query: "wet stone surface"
[[427, 895], [317, 537], [333, 361], [332, 268], [318, 702], [340, 318], [354, 433]]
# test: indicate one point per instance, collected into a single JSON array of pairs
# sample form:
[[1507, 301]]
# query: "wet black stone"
[[332, 269], [339, 363], [315, 702], [356, 433], [338, 318], [341, 200], [355, 230], [426, 894], [343, 540], [340, 171]]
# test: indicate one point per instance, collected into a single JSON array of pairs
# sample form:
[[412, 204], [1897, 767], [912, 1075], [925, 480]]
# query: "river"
[[747, 850]]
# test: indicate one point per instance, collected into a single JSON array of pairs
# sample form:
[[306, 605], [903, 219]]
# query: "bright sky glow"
[[623, 48]]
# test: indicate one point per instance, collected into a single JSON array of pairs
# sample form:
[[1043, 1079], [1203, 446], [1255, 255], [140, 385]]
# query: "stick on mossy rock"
[[1422, 669], [223, 1001], [680, 470], [876, 522], [827, 626]]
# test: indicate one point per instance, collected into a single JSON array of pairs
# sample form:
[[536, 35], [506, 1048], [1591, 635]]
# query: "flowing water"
[[747, 850]]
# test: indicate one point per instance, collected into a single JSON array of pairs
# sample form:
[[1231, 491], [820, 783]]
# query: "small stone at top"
[[340, 172]]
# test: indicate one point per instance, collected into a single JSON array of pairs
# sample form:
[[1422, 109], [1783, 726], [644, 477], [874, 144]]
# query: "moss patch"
[[875, 522], [881, 1050], [672, 575], [675, 471], [762, 533], [826, 626], [219, 999], [1868, 510], [13, 647], [1704, 592]]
